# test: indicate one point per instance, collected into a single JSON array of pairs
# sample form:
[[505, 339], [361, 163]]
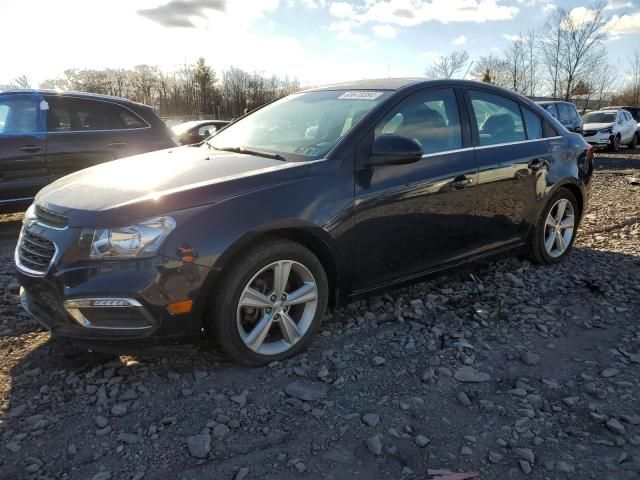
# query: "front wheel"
[[614, 146], [554, 233], [270, 303]]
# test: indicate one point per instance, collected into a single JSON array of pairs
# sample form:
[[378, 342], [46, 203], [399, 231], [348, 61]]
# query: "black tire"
[[537, 251], [634, 143], [614, 146], [221, 326]]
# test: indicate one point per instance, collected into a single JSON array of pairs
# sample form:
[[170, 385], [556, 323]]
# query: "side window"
[[18, 114], [77, 115], [206, 130], [59, 116], [533, 123], [574, 112], [498, 119], [551, 108], [565, 113], [127, 119], [431, 118]]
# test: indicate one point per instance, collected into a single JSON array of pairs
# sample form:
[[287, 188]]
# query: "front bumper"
[[599, 140], [117, 305]]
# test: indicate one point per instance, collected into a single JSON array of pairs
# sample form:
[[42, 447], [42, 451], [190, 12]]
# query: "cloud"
[[344, 31], [461, 40], [548, 7], [511, 37], [179, 13], [582, 15], [341, 10], [618, 5], [624, 24], [384, 31], [409, 13]]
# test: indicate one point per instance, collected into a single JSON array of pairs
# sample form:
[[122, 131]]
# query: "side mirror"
[[394, 150]]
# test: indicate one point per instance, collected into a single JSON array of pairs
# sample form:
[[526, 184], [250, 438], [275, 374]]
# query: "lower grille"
[[35, 253]]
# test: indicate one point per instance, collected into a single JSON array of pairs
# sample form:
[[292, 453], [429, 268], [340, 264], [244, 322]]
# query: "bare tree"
[[551, 46], [20, 82], [491, 69], [582, 39], [191, 90], [634, 73], [448, 66]]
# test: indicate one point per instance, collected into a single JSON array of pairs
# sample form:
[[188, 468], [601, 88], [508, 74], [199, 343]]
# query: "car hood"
[[132, 188], [596, 126]]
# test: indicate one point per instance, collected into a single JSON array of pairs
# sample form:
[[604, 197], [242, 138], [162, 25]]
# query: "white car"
[[610, 128]]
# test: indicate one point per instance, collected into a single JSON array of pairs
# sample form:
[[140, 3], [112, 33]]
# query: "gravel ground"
[[508, 370]]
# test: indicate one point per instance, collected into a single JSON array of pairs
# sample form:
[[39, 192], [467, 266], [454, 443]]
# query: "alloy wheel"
[[277, 307], [559, 227]]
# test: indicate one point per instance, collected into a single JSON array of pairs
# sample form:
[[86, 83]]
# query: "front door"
[[412, 218], [23, 145]]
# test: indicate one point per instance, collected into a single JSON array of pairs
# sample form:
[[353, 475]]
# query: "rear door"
[[80, 134], [512, 155], [132, 134], [23, 144]]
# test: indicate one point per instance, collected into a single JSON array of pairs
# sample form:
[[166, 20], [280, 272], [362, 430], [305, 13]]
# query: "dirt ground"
[[507, 370]]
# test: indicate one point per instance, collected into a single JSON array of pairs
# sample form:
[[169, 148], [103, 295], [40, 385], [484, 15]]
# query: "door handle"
[[117, 144], [31, 148], [461, 181], [535, 165]]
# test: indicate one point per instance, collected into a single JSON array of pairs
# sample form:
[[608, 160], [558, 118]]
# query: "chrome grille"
[[50, 218], [35, 253]]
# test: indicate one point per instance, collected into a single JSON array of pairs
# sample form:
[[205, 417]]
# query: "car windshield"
[[302, 126], [600, 117]]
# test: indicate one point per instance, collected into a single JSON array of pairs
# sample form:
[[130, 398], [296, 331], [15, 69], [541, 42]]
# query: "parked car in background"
[[196, 131], [45, 135], [611, 128], [634, 110], [310, 201], [566, 113]]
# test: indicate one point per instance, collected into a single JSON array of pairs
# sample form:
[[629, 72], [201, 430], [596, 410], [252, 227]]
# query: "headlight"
[[606, 130], [141, 240]]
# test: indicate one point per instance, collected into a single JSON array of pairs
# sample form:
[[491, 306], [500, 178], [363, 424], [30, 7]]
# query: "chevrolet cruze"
[[244, 240]]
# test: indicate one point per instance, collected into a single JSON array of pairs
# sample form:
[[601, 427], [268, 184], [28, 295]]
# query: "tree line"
[[566, 58], [190, 91]]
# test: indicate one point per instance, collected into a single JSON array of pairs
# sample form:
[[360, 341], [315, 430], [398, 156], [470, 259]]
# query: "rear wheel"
[[270, 304], [634, 142], [554, 233]]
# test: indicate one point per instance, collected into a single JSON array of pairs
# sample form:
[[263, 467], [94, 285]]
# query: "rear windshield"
[[600, 117]]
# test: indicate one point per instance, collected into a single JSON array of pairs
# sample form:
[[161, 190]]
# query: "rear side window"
[[565, 113], [498, 119], [533, 123], [128, 119], [77, 115], [429, 117]]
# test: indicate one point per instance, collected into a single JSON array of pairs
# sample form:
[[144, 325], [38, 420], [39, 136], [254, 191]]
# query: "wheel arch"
[[308, 236]]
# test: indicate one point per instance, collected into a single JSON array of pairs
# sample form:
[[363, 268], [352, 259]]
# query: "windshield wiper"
[[249, 151]]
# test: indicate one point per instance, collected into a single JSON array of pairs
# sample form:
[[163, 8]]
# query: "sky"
[[315, 41]]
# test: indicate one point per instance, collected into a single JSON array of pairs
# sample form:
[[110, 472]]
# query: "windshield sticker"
[[360, 95]]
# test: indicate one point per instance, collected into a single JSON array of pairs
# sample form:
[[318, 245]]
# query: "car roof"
[[621, 107], [394, 84], [193, 123], [73, 93]]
